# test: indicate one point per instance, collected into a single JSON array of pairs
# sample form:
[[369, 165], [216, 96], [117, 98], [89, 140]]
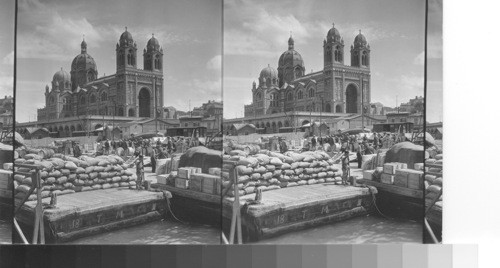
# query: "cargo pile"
[[267, 170], [192, 178], [433, 180], [65, 174], [398, 174]]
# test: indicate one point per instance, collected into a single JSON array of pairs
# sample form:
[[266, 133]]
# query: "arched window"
[[258, 96], [129, 59], [82, 100], [92, 98], [132, 59], [298, 72], [51, 100], [300, 95], [289, 96], [311, 93], [104, 96], [364, 59]]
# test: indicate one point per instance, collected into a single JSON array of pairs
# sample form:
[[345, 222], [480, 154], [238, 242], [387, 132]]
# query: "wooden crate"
[[6, 179], [181, 183], [390, 168], [368, 174], [162, 179], [195, 183], [418, 166], [416, 180], [387, 178], [212, 184], [184, 172], [401, 178], [215, 171]]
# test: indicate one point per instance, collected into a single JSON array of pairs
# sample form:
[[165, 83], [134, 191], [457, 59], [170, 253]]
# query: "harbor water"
[[368, 229]]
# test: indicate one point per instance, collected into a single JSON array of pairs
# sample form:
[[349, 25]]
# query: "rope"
[[375, 204], [170, 209]]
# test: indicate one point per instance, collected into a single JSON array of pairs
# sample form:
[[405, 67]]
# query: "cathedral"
[[338, 89], [129, 94]]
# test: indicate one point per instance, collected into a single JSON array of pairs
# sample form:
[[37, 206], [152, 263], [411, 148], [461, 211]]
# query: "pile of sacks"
[[433, 183], [65, 174], [270, 170]]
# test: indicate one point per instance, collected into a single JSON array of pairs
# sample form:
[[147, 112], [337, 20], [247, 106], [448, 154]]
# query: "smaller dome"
[[269, 72], [360, 40], [268, 76], [126, 38], [61, 77], [153, 44], [333, 34]]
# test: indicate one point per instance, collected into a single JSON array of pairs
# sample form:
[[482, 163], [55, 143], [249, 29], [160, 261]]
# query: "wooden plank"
[[394, 189]]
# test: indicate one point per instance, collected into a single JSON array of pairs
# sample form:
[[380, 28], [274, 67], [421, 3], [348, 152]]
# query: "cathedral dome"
[[269, 72], [290, 56], [333, 34], [153, 44], [360, 40], [61, 77], [126, 38], [268, 76], [83, 61]]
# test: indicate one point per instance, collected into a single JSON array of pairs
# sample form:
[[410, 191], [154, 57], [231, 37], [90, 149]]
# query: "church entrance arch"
[[144, 103], [351, 99], [328, 108]]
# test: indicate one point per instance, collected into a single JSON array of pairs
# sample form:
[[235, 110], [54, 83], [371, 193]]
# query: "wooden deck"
[[86, 213]]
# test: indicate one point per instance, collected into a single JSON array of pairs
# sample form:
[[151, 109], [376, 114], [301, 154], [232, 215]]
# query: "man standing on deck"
[[139, 170], [345, 166]]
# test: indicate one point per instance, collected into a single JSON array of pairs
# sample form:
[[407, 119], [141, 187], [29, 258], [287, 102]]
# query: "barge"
[[279, 211], [87, 213]]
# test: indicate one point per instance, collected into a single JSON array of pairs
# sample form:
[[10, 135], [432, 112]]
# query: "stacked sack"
[[270, 170], [65, 174], [434, 183]]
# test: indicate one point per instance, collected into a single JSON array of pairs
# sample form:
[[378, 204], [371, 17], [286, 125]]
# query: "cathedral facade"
[[129, 94], [338, 89]]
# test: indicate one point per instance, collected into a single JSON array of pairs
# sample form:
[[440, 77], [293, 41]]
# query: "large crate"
[[6, 179], [212, 184], [195, 183], [387, 178], [368, 174], [401, 178], [162, 179], [390, 168], [215, 171], [416, 180], [181, 183]]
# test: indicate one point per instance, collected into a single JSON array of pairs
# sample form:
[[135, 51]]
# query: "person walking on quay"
[[359, 153], [345, 166], [283, 146], [375, 140], [313, 143], [106, 147], [139, 170], [76, 150]]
